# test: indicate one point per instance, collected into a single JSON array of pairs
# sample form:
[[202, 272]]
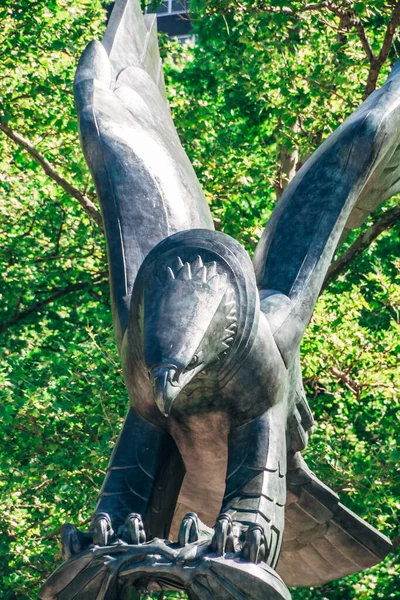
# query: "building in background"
[[173, 19]]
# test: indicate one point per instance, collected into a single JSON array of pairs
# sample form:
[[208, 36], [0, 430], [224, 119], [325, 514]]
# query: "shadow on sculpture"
[[209, 343]]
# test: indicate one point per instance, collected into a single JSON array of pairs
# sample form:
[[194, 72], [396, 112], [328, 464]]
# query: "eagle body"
[[207, 412], [245, 393]]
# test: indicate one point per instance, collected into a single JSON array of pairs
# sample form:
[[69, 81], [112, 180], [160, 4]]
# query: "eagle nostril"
[[170, 373], [173, 376]]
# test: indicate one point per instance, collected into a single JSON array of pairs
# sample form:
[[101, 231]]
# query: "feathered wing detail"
[[323, 539], [385, 185], [130, 40], [145, 182], [300, 422], [357, 166]]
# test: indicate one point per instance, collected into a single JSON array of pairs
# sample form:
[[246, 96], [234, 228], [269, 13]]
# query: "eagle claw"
[[102, 533], [73, 541], [223, 536], [255, 546], [189, 530], [133, 532], [102, 529]]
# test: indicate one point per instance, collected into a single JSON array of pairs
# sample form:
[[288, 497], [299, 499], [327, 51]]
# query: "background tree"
[[264, 84]]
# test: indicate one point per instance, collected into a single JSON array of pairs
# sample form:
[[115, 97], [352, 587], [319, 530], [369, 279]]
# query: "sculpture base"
[[107, 573]]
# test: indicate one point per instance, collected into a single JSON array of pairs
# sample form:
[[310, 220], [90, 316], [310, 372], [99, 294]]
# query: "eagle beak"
[[165, 389]]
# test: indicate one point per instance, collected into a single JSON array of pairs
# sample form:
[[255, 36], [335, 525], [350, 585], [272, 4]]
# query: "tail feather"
[[323, 538]]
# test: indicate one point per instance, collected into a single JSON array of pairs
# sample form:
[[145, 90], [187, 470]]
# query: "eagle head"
[[189, 324]]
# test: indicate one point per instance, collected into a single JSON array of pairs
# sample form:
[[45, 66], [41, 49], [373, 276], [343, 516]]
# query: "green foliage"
[[255, 83]]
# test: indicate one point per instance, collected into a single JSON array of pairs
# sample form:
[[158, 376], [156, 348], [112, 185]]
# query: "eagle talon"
[[223, 536], [102, 529], [254, 549], [189, 530], [134, 532], [72, 541]]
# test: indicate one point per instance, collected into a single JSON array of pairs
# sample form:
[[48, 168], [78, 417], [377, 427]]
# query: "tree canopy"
[[260, 89]]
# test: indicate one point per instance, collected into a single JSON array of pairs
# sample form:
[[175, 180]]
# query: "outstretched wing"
[[323, 540], [145, 182], [355, 169]]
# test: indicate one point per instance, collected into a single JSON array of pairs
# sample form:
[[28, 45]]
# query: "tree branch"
[[390, 31], [57, 293], [347, 18], [284, 9], [330, 90], [281, 9], [350, 383], [373, 74], [378, 62], [57, 531], [350, 20], [88, 206], [385, 222], [288, 163], [95, 469]]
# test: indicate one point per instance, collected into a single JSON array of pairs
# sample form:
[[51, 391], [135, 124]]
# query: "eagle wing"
[[146, 185], [352, 172]]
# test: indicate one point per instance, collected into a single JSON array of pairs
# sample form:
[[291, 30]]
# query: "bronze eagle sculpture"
[[210, 451]]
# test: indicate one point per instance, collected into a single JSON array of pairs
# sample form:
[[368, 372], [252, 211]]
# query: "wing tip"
[[131, 38], [126, 33], [93, 64], [119, 15]]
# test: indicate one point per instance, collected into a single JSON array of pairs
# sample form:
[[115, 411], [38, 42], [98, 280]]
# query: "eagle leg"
[[252, 518], [128, 497]]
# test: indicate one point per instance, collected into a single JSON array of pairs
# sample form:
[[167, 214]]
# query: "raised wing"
[[355, 169], [323, 540], [145, 182], [381, 188]]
